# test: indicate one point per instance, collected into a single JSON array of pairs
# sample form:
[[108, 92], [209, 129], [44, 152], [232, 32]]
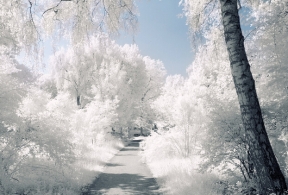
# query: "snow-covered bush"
[[57, 134], [175, 173], [59, 148], [203, 116]]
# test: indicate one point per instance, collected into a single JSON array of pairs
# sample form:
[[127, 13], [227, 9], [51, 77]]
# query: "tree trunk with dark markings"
[[268, 172]]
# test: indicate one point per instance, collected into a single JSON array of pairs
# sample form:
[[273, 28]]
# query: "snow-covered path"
[[126, 174]]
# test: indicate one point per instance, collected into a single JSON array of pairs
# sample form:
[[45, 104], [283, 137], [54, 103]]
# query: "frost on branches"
[[53, 131], [28, 21], [201, 124]]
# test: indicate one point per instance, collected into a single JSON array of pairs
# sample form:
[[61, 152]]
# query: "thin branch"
[[32, 20], [249, 33], [53, 8]]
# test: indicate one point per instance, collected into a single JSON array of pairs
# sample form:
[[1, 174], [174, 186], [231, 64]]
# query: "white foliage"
[[101, 68], [201, 14], [177, 175]]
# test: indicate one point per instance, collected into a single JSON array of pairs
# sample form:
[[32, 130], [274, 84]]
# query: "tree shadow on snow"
[[123, 184]]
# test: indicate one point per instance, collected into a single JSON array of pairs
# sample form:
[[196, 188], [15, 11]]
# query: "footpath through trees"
[[126, 174]]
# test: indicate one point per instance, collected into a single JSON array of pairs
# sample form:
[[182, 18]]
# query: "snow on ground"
[[177, 175]]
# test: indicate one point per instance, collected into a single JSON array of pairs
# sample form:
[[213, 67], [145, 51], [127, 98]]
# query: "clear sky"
[[162, 34]]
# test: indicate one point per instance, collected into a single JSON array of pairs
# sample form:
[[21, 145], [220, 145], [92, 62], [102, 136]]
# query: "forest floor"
[[126, 174]]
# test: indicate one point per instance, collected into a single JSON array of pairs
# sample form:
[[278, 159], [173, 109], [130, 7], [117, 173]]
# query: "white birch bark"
[[267, 169]]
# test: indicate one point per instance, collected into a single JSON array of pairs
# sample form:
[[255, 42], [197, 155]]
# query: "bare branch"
[[53, 8], [249, 33], [32, 20]]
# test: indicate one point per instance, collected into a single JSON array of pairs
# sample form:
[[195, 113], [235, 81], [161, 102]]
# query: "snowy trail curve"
[[126, 174]]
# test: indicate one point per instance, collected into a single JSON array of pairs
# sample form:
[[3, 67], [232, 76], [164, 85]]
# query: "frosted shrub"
[[59, 148], [177, 174], [45, 154], [94, 144], [203, 111]]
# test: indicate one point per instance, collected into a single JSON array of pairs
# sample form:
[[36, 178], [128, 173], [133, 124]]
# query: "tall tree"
[[268, 172]]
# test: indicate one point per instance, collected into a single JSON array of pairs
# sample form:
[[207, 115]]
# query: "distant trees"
[[103, 70]]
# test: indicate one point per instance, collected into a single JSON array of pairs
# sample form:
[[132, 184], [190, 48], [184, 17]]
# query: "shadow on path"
[[128, 184], [113, 165], [125, 174]]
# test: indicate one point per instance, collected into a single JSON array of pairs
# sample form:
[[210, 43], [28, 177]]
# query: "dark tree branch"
[[53, 8], [32, 20]]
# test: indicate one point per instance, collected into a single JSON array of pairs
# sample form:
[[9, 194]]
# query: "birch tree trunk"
[[268, 172]]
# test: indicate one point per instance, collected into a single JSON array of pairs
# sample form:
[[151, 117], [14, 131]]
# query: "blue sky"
[[162, 34]]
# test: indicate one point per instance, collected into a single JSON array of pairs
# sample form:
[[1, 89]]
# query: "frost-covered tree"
[[224, 145], [26, 24], [15, 80], [267, 168], [101, 68], [27, 21], [266, 46]]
